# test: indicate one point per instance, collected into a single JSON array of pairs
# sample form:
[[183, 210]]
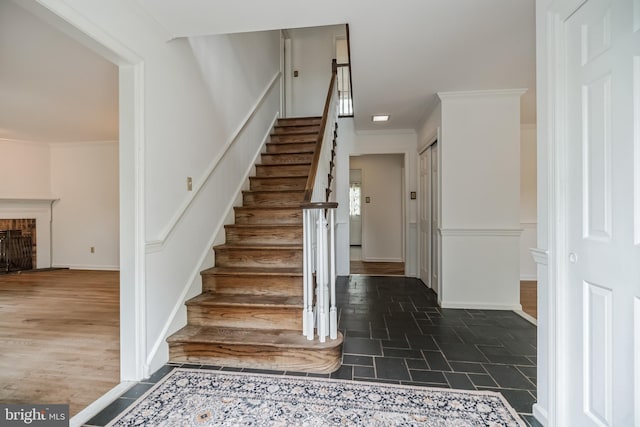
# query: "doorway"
[[355, 214], [377, 214], [429, 208]]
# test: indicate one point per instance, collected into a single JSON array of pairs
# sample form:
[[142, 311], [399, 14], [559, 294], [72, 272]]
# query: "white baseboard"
[[480, 306], [87, 267], [540, 414], [105, 400], [529, 277], [527, 317]]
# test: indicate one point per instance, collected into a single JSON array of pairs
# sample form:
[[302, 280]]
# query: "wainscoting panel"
[[480, 269]]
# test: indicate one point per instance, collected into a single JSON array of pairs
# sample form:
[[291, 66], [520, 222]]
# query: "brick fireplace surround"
[[28, 228]]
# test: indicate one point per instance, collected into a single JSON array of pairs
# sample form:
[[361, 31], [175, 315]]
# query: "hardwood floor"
[[377, 268], [59, 337], [529, 297]]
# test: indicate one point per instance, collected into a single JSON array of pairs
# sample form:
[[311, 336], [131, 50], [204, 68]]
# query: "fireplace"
[[17, 244]]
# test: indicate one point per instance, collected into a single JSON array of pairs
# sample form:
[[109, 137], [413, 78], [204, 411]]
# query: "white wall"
[[480, 208], [84, 176], [353, 143], [382, 222], [313, 50], [528, 202], [25, 171], [429, 127]]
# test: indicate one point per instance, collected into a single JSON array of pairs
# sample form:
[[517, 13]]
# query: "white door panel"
[[602, 259], [425, 213], [435, 221]]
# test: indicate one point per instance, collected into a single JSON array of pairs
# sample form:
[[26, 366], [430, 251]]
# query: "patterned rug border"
[[175, 371]]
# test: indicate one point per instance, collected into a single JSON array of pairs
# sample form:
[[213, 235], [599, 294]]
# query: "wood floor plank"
[[529, 297], [377, 268], [59, 337]]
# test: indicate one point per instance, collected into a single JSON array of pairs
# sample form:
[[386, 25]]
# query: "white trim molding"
[[159, 243], [540, 414], [98, 405], [540, 256], [469, 93], [527, 317], [481, 232]]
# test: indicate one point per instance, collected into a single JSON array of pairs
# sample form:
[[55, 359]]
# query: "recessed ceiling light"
[[380, 118]]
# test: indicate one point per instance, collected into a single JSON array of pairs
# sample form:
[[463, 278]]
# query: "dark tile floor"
[[396, 333]]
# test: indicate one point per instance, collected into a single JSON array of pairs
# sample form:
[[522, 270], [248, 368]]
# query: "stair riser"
[[246, 317], [275, 199], [292, 147], [295, 130], [265, 236], [259, 216], [253, 285], [271, 184], [283, 159], [282, 170], [239, 257], [294, 138], [258, 356], [300, 121]]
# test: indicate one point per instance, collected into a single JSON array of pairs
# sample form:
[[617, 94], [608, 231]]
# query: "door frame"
[[406, 241], [133, 366], [555, 119], [428, 143]]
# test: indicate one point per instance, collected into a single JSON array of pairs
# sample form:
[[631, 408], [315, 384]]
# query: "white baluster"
[[321, 276], [333, 315], [307, 315]]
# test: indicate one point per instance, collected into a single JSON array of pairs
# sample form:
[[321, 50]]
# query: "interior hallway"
[[358, 266], [60, 337]]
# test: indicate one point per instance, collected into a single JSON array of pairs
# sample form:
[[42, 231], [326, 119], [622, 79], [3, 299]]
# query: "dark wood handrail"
[[311, 180], [319, 205]]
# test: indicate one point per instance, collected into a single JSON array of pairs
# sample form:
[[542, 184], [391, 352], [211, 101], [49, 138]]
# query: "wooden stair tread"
[[246, 300], [276, 177], [260, 337], [284, 164], [297, 134], [261, 226], [257, 271], [289, 153], [271, 191], [300, 118], [270, 246]]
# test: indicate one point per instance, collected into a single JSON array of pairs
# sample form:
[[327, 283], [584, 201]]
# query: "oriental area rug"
[[190, 397]]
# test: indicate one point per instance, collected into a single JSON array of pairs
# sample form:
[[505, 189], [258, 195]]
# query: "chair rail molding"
[[540, 256], [480, 232]]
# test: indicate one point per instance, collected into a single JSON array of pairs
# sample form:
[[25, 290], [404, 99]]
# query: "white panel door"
[[425, 216], [602, 258], [435, 221]]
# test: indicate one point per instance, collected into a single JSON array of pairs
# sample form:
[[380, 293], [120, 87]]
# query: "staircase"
[[249, 314]]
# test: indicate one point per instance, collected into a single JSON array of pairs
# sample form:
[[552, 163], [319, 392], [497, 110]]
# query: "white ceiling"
[[52, 89], [402, 52]]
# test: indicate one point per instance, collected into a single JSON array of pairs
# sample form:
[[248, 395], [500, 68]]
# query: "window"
[[354, 199]]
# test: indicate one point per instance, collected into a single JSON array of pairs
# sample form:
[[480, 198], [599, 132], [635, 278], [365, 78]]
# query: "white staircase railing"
[[320, 315]]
